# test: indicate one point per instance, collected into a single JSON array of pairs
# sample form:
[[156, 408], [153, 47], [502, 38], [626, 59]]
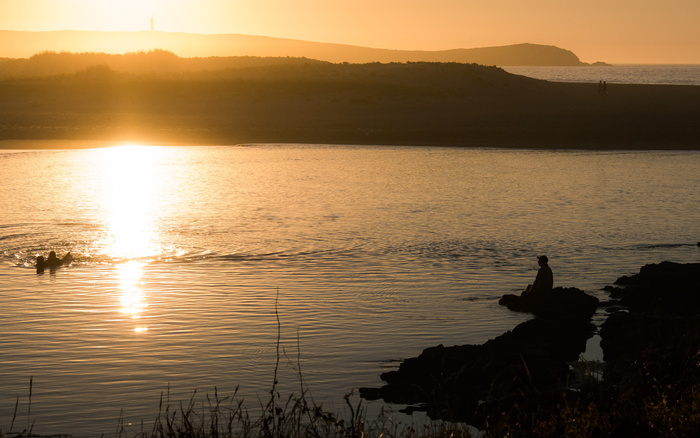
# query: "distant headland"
[[20, 44]]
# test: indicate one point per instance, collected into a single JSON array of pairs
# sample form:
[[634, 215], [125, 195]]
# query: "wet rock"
[[663, 288], [626, 335], [653, 344], [650, 343], [560, 301], [449, 383]]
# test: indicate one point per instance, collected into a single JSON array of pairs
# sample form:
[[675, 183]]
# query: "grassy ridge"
[[317, 102]]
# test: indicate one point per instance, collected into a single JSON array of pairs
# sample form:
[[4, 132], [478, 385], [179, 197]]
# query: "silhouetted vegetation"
[[158, 97], [154, 62], [598, 409]]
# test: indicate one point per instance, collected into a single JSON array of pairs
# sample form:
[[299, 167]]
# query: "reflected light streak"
[[132, 298], [131, 184], [132, 181]]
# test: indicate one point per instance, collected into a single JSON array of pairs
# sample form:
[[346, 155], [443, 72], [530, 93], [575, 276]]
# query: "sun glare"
[[132, 181], [122, 15], [126, 8], [132, 185], [132, 299]]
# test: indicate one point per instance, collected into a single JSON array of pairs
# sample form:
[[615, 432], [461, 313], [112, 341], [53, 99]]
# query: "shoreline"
[[42, 145], [45, 145], [70, 144]]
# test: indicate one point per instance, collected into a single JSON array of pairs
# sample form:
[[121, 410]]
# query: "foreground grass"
[[293, 416], [596, 411], [637, 405]]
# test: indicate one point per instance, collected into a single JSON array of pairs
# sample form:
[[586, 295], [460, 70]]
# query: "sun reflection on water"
[[132, 183], [132, 298]]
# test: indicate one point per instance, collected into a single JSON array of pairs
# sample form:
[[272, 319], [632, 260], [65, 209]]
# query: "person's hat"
[[543, 259]]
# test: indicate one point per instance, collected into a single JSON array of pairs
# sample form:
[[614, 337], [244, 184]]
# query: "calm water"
[[371, 254], [619, 74]]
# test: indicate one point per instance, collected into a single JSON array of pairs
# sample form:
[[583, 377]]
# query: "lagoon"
[[186, 257]]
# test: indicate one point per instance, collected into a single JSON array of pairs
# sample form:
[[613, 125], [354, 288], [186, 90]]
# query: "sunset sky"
[[620, 31]]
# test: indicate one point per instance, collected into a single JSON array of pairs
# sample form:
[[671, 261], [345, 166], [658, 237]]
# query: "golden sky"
[[616, 31]]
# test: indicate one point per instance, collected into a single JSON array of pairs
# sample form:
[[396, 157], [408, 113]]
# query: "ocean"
[[616, 74], [186, 258]]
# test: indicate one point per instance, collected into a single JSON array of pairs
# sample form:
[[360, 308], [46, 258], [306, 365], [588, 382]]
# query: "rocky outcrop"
[[517, 383], [653, 335], [663, 288], [451, 383], [561, 301], [651, 380]]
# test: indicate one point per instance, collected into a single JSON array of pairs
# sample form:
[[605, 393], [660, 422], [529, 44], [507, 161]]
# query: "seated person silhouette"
[[544, 281]]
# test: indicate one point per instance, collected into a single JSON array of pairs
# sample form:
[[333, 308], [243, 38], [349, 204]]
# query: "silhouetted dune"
[[300, 100]]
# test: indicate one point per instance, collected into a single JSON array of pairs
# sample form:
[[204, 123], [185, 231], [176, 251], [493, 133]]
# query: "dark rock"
[[450, 382], [560, 301], [655, 351], [650, 341], [654, 345], [664, 288]]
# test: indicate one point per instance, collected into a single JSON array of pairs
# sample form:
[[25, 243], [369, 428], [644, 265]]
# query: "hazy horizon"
[[624, 33]]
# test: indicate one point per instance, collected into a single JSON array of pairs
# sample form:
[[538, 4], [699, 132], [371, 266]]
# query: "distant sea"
[[619, 74]]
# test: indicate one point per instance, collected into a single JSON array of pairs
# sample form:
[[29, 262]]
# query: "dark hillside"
[[315, 102]]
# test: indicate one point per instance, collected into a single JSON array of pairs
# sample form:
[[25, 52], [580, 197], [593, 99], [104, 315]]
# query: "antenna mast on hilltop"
[[153, 26]]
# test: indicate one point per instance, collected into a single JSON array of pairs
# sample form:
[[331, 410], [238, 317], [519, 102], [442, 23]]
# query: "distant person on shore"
[[544, 281], [602, 88]]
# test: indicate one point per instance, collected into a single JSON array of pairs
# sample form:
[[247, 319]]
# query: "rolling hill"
[[18, 44]]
